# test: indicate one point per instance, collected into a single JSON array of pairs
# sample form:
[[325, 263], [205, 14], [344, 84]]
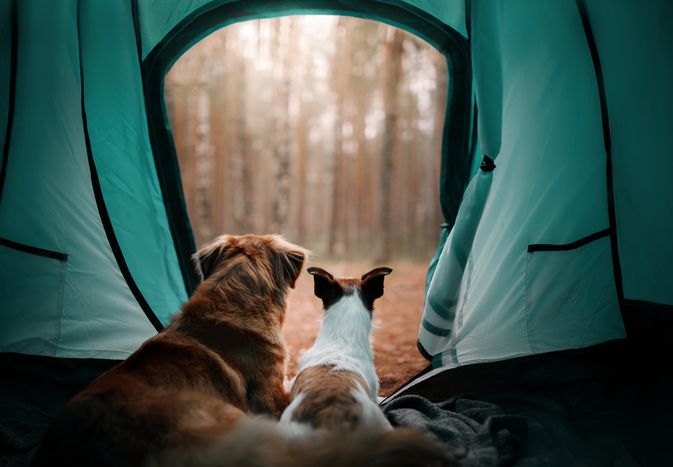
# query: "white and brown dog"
[[336, 386], [190, 387]]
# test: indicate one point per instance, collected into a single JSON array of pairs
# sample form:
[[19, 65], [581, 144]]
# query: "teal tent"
[[554, 181]]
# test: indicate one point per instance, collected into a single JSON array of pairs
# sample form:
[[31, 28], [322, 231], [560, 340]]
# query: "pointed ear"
[[324, 286], [287, 259], [372, 284], [207, 258]]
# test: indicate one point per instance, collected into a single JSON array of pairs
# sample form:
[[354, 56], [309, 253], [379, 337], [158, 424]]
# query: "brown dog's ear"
[[287, 260], [372, 285], [207, 258]]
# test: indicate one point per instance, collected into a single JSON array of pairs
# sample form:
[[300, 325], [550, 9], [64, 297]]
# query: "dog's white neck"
[[343, 341]]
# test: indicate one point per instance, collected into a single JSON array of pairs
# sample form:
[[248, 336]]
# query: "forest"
[[325, 129]]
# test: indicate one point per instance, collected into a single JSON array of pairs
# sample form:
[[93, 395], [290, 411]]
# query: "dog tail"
[[399, 447], [260, 442]]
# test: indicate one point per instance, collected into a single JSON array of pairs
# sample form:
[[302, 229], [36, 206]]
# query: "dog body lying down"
[[191, 395], [221, 357], [336, 386]]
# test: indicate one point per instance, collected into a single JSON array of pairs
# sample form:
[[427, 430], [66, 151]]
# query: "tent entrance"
[[315, 127], [456, 147]]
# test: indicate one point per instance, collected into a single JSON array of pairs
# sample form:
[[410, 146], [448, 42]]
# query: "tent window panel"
[[32, 287], [571, 301]]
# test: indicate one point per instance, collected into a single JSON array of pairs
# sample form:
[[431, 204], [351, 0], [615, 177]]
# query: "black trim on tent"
[[12, 93], [607, 141], [136, 30], [167, 167], [422, 372], [33, 250], [100, 200], [424, 353], [468, 18], [473, 130], [569, 246], [456, 160]]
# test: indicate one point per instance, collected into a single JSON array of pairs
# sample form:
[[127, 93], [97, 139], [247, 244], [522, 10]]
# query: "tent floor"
[[606, 405]]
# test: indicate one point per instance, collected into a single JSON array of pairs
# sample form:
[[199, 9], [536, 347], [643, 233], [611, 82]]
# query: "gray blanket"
[[477, 432]]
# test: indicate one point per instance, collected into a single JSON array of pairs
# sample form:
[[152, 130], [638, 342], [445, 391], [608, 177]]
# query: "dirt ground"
[[397, 317]]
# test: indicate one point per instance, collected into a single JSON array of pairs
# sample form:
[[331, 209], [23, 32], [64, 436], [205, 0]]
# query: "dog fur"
[[336, 386], [186, 388], [205, 391]]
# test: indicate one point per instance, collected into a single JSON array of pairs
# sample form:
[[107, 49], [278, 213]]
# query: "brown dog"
[[185, 388]]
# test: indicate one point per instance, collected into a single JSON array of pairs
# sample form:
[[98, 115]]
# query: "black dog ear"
[[207, 258], [324, 286], [372, 285]]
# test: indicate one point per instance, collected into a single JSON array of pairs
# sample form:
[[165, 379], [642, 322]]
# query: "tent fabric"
[[121, 150], [54, 199], [5, 70], [639, 94], [542, 273], [158, 18], [52, 307]]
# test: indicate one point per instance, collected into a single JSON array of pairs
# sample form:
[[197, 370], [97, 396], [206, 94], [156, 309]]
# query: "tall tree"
[[338, 80], [391, 78], [285, 41]]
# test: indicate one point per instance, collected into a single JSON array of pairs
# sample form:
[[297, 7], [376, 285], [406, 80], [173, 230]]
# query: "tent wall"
[[80, 198], [630, 40], [121, 150], [536, 275]]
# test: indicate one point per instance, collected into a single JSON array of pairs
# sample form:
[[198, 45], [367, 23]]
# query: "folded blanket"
[[478, 433]]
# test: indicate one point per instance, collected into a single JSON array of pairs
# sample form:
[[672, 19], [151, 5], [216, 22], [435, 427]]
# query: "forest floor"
[[397, 316]]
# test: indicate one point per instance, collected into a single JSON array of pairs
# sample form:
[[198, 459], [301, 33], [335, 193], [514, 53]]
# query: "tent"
[[556, 250]]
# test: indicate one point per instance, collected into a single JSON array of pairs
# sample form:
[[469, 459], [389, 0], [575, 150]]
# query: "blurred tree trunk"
[[284, 34], [242, 164], [338, 77], [220, 108], [313, 131], [392, 68], [203, 153], [300, 136]]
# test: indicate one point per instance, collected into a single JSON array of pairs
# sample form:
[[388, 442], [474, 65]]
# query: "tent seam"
[[33, 250], [14, 35], [605, 124], [100, 199]]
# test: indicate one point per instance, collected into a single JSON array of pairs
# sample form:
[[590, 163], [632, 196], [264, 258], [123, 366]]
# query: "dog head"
[[250, 264], [330, 290]]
